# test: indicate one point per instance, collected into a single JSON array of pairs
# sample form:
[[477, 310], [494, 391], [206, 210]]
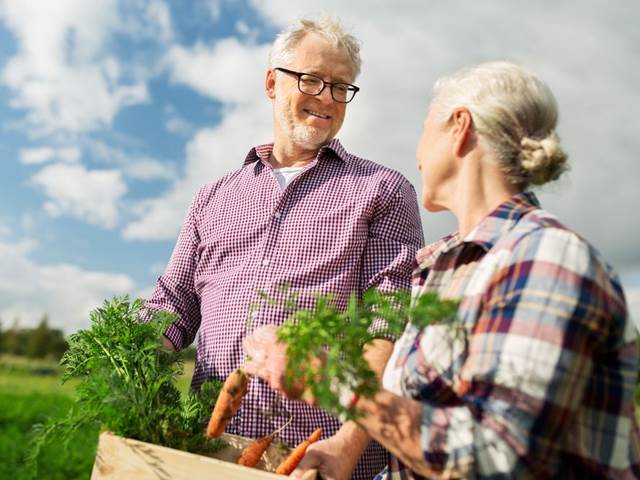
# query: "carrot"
[[250, 456], [228, 403], [290, 463]]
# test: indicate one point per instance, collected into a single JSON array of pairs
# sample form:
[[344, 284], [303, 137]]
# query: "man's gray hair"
[[330, 28]]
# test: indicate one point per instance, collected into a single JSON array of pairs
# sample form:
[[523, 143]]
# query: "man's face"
[[306, 120]]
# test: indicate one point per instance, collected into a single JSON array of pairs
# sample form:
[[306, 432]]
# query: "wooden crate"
[[120, 458]]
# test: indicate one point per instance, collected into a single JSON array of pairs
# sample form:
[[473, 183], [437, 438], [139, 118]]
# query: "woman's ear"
[[270, 84], [461, 129]]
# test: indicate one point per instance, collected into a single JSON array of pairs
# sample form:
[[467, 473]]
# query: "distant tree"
[[1, 338], [14, 339], [38, 339], [58, 345]]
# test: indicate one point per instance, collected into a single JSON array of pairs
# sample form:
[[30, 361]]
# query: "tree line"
[[41, 341], [44, 342]]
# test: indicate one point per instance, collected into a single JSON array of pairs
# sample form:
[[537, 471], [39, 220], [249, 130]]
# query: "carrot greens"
[[127, 383], [338, 336]]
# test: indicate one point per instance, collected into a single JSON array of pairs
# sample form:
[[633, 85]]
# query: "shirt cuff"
[[175, 335], [379, 329]]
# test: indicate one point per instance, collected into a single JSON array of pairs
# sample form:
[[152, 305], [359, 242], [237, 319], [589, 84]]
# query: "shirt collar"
[[333, 149], [502, 219], [487, 232]]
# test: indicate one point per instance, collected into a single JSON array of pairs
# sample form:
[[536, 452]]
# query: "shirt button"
[[277, 215], [265, 262]]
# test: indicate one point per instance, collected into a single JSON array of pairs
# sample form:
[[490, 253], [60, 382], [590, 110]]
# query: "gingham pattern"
[[342, 225], [538, 380]]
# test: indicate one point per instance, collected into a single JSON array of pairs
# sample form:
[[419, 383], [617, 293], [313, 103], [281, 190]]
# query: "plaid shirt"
[[343, 225], [538, 380]]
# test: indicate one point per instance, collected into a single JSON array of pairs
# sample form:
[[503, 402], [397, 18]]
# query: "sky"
[[113, 113]]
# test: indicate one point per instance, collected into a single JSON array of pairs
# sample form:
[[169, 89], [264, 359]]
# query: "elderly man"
[[303, 212]]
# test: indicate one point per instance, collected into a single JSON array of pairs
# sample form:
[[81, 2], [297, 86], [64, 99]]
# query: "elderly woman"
[[538, 380]]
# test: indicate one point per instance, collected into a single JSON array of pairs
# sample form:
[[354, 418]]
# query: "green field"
[[30, 393]]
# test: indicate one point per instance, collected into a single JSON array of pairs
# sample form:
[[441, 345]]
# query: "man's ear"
[[270, 84], [461, 130]]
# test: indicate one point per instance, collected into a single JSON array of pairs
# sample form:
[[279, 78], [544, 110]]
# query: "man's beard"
[[305, 136]]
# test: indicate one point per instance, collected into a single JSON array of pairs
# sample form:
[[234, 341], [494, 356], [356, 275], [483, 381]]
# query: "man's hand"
[[267, 359]]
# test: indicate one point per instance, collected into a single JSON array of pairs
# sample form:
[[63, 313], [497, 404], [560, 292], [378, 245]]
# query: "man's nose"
[[325, 94]]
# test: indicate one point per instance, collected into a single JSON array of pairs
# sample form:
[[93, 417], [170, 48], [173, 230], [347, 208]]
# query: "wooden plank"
[[121, 458]]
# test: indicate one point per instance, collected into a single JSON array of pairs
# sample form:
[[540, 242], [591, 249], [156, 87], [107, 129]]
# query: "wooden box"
[[120, 458]]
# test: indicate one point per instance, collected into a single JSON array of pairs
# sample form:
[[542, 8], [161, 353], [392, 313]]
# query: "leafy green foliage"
[[18, 412], [338, 338], [127, 383]]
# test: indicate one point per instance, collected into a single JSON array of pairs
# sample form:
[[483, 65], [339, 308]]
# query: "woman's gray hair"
[[281, 54], [514, 111]]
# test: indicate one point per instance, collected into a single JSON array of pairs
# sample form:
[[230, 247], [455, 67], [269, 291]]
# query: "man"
[[302, 212]]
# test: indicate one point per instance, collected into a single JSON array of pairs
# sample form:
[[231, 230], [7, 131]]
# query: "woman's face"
[[435, 162]]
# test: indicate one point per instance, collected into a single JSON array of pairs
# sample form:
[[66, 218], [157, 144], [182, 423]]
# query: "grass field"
[[30, 393]]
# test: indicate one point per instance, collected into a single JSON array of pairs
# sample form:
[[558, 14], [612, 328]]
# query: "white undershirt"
[[284, 175]]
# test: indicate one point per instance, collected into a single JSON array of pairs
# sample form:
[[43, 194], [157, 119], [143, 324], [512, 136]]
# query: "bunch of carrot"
[[253, 452], [227, 405]]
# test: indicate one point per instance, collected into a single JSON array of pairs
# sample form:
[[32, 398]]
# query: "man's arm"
[[174, 289]]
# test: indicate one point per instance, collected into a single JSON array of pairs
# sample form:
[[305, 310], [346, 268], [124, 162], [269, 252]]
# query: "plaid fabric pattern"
[[343, 225], [535, 376]]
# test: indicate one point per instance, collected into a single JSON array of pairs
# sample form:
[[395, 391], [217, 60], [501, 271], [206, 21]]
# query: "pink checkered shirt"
[[343, 225]]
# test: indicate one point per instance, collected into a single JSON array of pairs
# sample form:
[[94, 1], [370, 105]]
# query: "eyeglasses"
[[312, 85]]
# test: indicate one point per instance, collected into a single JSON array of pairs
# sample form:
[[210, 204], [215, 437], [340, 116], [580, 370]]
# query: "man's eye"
[[310, 80]]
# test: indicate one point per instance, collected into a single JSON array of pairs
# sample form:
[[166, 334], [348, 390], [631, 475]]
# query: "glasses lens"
[[310, 84], [341, 92]]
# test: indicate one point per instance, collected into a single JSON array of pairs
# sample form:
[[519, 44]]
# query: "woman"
[[540, 381]]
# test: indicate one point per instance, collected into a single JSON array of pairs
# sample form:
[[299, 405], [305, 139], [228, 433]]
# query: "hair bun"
[[542, 159]]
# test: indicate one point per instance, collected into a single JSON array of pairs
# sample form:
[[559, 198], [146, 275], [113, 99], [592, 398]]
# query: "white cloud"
[[633, 301], [90, 195], [214, 9], [40, 155], [149, 169], [209, 155], [177, 124], [61, 75], [66, 293], [134, 166], [35, 156], [229, 71], [27, 222], [158, 13]]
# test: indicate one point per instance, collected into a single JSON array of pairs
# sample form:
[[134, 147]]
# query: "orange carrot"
[[290, 463], [250, 456], [228, 403]]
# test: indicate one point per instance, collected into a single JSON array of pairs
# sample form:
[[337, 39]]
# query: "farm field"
[[31, 392]]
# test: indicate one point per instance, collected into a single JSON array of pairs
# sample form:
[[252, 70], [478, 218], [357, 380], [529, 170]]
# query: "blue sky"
[[112, 113]]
